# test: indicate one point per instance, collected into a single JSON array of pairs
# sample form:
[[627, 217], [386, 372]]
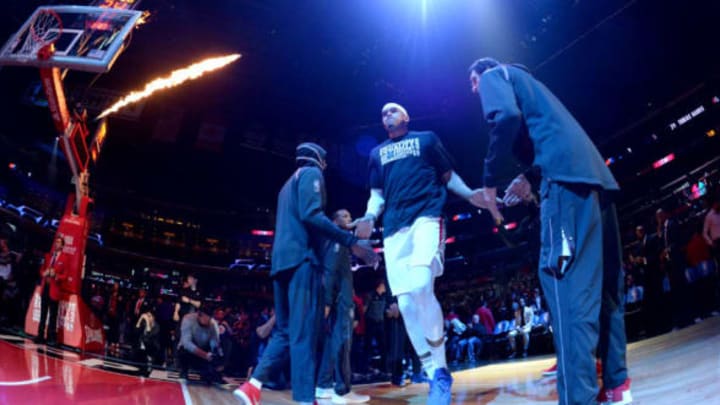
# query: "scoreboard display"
[[119, 4]]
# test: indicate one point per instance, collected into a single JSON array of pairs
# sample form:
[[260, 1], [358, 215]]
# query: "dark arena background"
[[185, 181]]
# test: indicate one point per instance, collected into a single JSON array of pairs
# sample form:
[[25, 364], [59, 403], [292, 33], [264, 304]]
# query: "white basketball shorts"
[[421, 244]]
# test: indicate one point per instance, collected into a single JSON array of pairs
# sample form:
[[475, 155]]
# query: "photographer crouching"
[[199, 348]]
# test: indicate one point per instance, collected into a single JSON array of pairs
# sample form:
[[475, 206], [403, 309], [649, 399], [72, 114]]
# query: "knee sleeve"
[[406, 306]]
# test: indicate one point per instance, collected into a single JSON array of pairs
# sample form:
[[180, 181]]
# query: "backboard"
[[84, 38]]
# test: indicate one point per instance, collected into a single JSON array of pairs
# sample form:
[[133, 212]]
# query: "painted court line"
[[26, 382]]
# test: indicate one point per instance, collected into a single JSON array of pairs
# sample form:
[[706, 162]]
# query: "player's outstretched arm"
[[375, 206], [457, 185]]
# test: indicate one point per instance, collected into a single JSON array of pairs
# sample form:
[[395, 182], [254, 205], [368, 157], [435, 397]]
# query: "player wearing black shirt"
[[409, 175]]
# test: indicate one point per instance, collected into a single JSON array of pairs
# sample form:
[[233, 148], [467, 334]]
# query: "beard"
[[393, 124]]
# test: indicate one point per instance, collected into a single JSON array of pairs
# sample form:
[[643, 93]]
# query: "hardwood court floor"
[[681, 367]]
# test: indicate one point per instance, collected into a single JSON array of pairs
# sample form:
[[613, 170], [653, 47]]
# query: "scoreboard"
[[119, 4]]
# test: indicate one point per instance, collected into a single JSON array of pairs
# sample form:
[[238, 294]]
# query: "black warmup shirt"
[[409, 170], [186, 307]]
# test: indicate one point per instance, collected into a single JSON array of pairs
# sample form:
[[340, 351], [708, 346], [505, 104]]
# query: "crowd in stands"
[[671, 281]]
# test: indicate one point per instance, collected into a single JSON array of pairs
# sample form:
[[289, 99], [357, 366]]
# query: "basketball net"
[[44, 31]]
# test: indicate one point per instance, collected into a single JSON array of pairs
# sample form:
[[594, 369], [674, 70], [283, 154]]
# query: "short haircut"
[[483, 64], [206, 308], [337, 213]]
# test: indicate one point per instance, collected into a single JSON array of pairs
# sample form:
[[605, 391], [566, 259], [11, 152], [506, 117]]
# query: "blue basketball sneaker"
[[440, 388]]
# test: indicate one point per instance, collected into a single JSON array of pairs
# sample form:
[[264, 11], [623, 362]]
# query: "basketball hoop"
[[45, 30], [71, 37]]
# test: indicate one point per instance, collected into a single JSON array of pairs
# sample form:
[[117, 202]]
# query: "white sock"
[[428, 364], [255, 383]]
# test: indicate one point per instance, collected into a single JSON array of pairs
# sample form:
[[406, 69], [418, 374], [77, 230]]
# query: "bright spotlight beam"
[[175, 78]]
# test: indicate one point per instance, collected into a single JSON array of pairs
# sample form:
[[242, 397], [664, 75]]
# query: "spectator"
[[164, 311], [396, 339], [142, 297], [633, 293], [646, 255], [699, 275], [243, 332], [523, 317], [357, 354], [147, 347], [264, 329], [465, 340], [375, 323], [188, 301], [114, 315], [539, 302], [674, 262], [53, 274], [486, 317], [97, 302], [474, 341], [9, 301], [8, 259], [224, 332], [711, 229], [190, 298], [27, 276]]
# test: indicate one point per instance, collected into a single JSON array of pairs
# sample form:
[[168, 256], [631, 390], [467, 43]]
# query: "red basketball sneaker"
[[552, 371], [248, 393], [616, 396]]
